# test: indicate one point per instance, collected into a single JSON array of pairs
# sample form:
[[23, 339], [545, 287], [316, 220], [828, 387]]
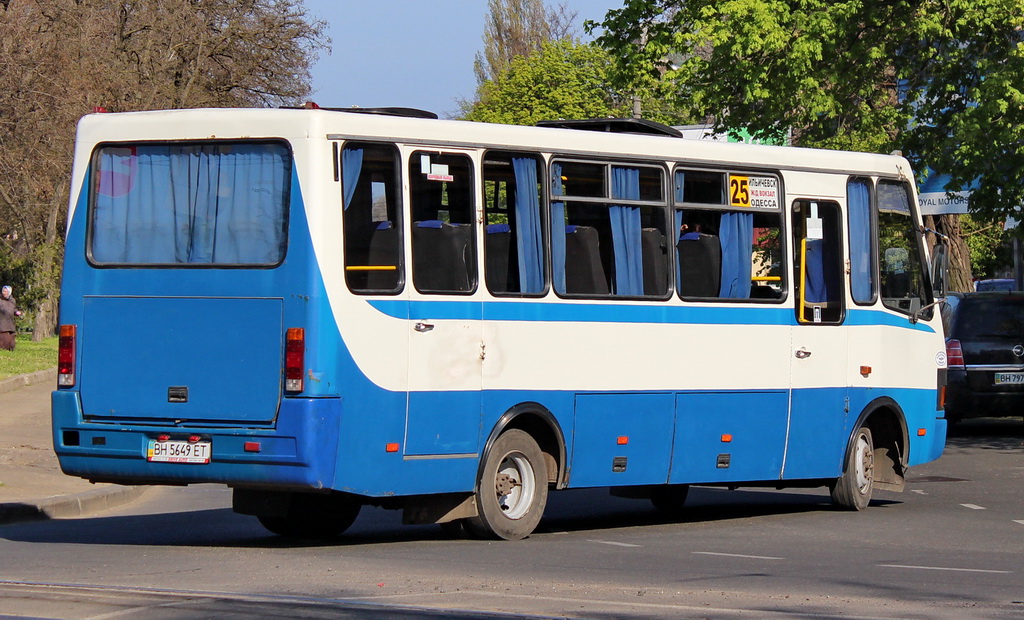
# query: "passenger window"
[[373, 233], [608, 230], [818, 265], [513, 236], [899, 246], [443, 237], [728, 253]]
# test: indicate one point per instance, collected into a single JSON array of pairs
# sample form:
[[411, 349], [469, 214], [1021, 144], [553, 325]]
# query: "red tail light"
[[954, 354], [294, 358], [66, 356]]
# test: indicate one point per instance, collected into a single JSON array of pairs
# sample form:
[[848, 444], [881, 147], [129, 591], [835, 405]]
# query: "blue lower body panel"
[[300, 450]]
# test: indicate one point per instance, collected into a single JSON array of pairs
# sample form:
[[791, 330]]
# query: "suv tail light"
[[294, 358], [954, 354], [66, 356]]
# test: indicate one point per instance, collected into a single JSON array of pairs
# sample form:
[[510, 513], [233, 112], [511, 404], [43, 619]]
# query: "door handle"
[[802, 353], [423, 327]]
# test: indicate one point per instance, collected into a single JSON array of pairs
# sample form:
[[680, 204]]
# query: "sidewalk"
[[32, 486]]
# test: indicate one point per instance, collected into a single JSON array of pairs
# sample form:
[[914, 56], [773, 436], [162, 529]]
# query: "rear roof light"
[[66, 356], [294, 358], [954, 354]]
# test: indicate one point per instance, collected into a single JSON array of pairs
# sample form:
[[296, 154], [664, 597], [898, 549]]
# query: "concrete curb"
[[12, 383], [61, 506], [69, 506]]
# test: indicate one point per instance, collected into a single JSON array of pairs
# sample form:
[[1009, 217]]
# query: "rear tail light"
[[66, 356], [294, 358], [954, 354]]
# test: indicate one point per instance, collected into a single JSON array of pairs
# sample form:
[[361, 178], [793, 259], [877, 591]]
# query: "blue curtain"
[[736, 232], [626, 241], [557, 230], [862, 256], [680, 179], [351, 167], [204, 204], [817, 287], [529, 238]]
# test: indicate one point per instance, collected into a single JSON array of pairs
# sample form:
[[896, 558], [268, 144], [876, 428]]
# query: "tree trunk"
[[960, 276]]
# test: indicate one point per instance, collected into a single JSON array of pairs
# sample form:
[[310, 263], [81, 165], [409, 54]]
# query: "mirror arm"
[[916, 315]]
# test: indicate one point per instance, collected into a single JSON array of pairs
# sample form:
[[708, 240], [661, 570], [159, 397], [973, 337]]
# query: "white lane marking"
[[973, 506], [919, 491], [737, 555], [1021, 521], [947, 568], [612, 542]]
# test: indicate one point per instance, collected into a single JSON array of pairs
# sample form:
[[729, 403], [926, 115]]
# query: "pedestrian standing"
[[8, 311]]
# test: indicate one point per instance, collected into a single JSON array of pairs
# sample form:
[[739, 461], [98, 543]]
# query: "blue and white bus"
[[325, 309]]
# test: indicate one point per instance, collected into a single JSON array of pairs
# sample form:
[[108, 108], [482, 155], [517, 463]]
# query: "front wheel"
[[852, 490], [513, 488]]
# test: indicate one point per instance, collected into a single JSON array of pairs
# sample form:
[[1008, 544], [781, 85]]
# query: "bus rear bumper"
[[299, 452]]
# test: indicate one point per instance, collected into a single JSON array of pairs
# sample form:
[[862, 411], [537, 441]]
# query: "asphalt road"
[[949, 547]]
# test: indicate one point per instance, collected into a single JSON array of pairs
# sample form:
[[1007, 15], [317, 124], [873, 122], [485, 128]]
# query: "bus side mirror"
[[940, 270]]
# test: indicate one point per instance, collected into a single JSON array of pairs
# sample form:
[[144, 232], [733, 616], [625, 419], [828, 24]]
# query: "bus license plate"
[[1003, 378], [178, 451]]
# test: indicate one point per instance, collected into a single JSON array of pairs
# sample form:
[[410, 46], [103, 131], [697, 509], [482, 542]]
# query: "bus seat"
[[700, 265], [440, 256], [502, 277], [584, 272], [384, 250], [653, 251]]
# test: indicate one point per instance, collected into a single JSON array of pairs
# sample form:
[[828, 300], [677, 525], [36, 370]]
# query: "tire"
[[513, 489], [313, 517], [669, 499], [852, 490]]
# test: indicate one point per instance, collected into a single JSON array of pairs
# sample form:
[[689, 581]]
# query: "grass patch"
[[28, 356]]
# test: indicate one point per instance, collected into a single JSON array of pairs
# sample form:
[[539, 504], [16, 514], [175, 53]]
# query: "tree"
[[59, 58], [517, 28], [941, 81], [561, 80]]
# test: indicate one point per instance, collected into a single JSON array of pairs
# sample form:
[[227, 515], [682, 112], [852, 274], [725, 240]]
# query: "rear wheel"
[[313, 517], [669, 498], [852, 490], [513, 488]]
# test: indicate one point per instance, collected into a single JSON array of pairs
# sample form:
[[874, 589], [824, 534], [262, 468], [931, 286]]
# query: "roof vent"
[[616, 125]]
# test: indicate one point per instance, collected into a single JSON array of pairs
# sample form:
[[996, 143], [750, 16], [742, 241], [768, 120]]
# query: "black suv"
[[985, 356]]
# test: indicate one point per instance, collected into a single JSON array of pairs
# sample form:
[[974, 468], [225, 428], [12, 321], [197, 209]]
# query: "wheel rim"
[[515, 485], [865, 460]]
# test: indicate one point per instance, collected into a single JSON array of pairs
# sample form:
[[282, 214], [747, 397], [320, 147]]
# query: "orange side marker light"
[[391, 447], [622, 440], [726, 438], [921, 432]]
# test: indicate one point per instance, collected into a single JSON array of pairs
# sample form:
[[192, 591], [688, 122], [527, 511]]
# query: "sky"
[[409, 53]]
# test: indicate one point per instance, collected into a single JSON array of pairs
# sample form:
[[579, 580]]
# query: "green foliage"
[[561, 80], [27, 357], [941, 81], [990, 246]]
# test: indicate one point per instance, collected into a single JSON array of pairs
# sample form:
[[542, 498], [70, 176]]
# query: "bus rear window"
[[196, 204]]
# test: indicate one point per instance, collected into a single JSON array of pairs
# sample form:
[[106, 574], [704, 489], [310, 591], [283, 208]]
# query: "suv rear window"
[[995, 317], [194, 204]]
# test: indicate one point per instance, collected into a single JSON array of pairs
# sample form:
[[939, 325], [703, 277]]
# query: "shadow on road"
[[990, 433], [584, 510]]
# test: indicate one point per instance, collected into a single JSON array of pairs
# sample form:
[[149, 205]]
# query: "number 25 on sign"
[[739, 191]]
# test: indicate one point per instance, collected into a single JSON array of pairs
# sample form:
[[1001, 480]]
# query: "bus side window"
[[442, 220], [608, 230], [513, 236], [818, 268], [373, 231]]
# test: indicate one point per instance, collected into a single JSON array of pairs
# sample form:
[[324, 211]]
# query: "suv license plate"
[[1003, 378], [178, 451]]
